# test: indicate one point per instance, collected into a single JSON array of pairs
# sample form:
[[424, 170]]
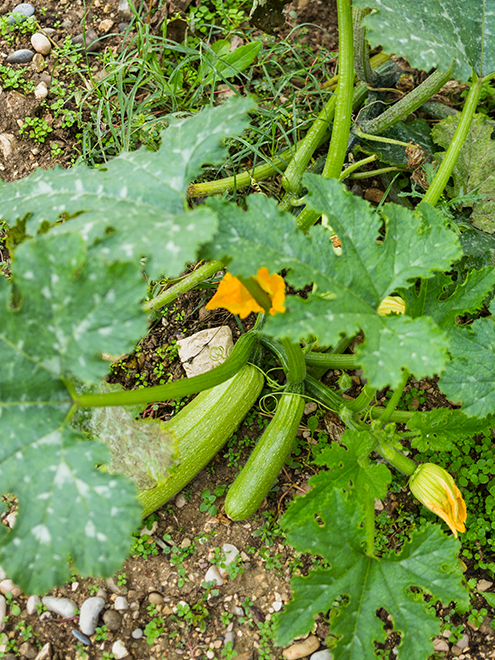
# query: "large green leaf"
[[473, 172], [443, 428], [349, 466], [435, 33], [350, 287], [470, 377], [141, 196], [67, 308], [367, 583]]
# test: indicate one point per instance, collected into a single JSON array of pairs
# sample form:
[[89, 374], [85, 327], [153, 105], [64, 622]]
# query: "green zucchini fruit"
[[267, 459], [202, 428]]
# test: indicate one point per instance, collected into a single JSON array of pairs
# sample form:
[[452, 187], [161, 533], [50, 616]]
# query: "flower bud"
[[435, 488], [391, 304]]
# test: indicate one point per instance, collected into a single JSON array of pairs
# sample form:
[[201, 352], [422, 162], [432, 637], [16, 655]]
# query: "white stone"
[[483, 585], [310, 407], [205, 350], [137, 634], [302, 649], [90, 611], [322, 655], [463, 642], [41, 91], [65, 607], [45, 652], [119, 650], [230, 552], [440, 645], [106, 25], [378, 505], [3, 612], [11, 518], [8, 585], [41, 44], [180, 500], [7, 144], [277, 605], [32, 604], [213, 574], [121, 603]]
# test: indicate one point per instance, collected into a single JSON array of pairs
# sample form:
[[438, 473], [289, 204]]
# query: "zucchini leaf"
[[363, 584], [349, 287], [441, 429], [349, 467], [64, 308], [138, 198], [470, 377], [435, 33], [417, 131], [473, 172]]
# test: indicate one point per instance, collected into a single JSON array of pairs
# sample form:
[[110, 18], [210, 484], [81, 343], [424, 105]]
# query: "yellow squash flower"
[[391, 304], [435, 488], [233, 295]]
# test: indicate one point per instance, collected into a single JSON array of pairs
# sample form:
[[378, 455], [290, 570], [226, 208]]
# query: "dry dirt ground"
[[166, 610]]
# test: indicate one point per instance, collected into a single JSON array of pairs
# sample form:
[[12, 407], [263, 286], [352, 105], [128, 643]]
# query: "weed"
[[101, 633], [38, 128], [15, 610], [209, 499], [56, 150], [143, 546], [93, 588], [121, 579], [154, 629]]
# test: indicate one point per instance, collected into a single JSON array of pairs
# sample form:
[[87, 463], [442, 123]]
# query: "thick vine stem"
[[238, 358], [396, 458], [330, 360], [394, 399], [447, 165], [361, 56], [407, 104], [370, 524], [186, 284], [296, 366]]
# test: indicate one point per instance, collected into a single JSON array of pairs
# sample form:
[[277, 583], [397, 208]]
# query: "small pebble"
[[213, 575], [67, 24], [238, 611], [230, 552], [155, 598], [20, 56], [114, 587], [310, 407], [20, 13], [11, 518], [302, 649], [49, 31], [121, 603], [40, 93], [45, 653], [440, 645], [483, 585], [186, 542], [40, 43], [28, 651], [8, 585], [65, 607], [137, 634], [229, 637], [32, 604], [119, 650], [106, 25], [324, 654], [180, 501], [101, 593], [90, 612], [463, 642], [123, 27], [378, 505], [89, 38], [112, 619], [3, 612], [277, 605], [81, 637]]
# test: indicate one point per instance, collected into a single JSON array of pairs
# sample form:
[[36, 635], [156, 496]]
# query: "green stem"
[[355, 166], [407, 104], [447, 165], [396, 458], [377, 138], [186, 284], [370, 524], [362, 401], [238, 358], [296, 366], [361, 55], [399, 416], [377, 172], [330, 360], [343, 106], [394, 400]]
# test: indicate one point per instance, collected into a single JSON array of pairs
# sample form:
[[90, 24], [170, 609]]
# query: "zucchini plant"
[[79, 240]]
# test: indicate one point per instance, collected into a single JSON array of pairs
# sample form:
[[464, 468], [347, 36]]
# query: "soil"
[[240, 609]]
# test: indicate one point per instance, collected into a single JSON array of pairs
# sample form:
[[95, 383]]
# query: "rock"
[[81, 637], [185, 543], [310, 407], [122, 28], [155, 598], [47, 79], [205, 350], [137, 634], [486, 627], [230, 552], [378, 505], [88, 39], [20, 13], [40, 43], [440, 645], [114, 587], [302, 649], [32, 604], [213, 575], [324, 654], [90, 611], [180, 501], [119, 650], [229, 637], [3, 612], [20, 56], [41, 91], [28, 651], [124, 8], [112, 620], [106, 25], [11, 518], [373, 195], [101, 593], [65, 607], [67, 24], [483, 585], [45, 652], [456, 652], [463, 642], [49, 31], [7, 144], [7, 585], [121, 603], [277, 605], [38, 63]]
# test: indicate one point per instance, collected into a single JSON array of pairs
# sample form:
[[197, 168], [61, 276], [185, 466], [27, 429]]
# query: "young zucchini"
[[256, 478], [202, 428]]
